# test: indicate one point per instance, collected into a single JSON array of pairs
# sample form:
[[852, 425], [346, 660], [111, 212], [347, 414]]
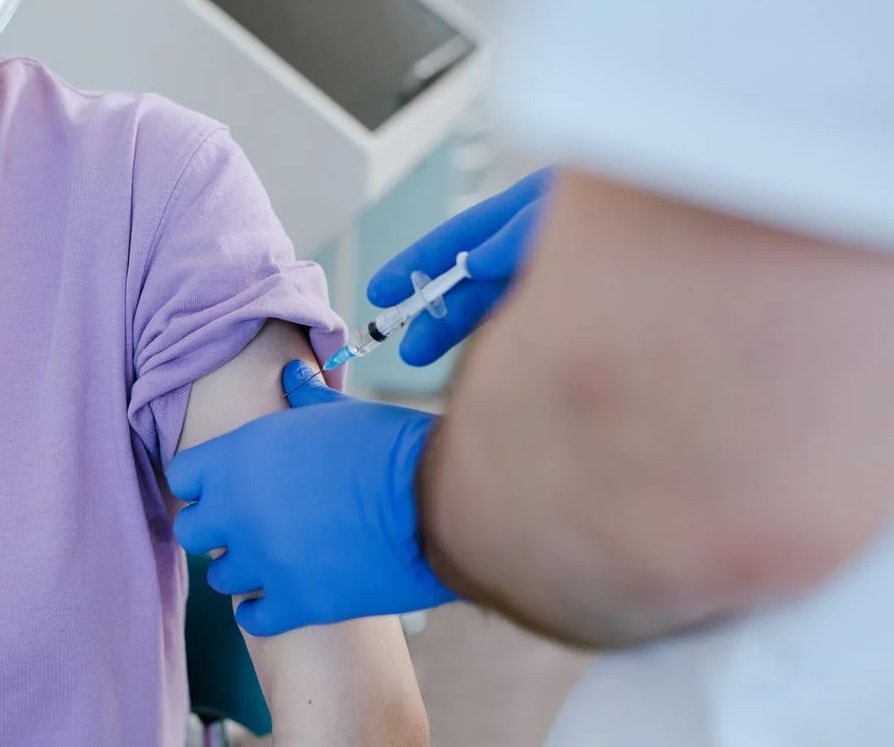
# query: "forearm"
[[694, 426], [343, 684], [340, 684], [347, 684]]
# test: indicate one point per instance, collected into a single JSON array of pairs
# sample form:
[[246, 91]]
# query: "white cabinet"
[[264, 66]]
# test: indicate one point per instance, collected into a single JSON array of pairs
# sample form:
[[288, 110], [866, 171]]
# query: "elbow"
[[648, 601], [732, 570], [701, 507], [775, 561]]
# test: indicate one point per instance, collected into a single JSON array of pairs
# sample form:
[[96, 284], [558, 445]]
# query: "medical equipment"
[[427, 296], [498, 234]]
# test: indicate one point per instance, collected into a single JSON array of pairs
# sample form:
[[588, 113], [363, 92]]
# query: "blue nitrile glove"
[[315, 506], [496, 233]]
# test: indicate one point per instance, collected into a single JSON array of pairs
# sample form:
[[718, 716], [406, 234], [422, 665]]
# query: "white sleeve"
[[777, 110]]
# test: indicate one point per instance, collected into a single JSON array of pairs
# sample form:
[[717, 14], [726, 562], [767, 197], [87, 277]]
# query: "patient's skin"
[[347, 684]]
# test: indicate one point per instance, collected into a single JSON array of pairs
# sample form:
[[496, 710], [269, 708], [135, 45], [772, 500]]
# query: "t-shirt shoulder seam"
[[195, 148], [38, 65]]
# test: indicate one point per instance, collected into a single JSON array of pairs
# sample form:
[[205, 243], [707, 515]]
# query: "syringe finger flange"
[[434, 306]]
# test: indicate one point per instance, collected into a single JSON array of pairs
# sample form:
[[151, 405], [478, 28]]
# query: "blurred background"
[[367, 122]]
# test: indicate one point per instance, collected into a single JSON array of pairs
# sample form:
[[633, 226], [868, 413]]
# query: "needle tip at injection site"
[[339, 358], [302, 383]]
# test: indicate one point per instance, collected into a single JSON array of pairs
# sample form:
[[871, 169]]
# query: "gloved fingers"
[[427, 338], [229, 575], [196, 532], [185, 473], [258, 617], [304, 386], [500, 256], [436, 252]]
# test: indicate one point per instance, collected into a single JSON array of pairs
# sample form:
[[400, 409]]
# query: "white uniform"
[[778, 111]]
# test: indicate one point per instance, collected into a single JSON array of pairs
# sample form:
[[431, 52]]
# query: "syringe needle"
[[427, 296]]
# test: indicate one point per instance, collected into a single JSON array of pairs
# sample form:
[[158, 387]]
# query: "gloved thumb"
[[257, 617], [303, 385]]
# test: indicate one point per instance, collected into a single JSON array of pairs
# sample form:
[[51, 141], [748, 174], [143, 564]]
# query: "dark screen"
[[359, 52]]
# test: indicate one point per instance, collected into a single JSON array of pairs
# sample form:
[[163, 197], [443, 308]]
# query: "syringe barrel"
[[364, 341], [368, 338], [391, 319]]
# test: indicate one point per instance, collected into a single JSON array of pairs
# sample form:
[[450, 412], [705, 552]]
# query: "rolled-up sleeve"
[[219, 266]]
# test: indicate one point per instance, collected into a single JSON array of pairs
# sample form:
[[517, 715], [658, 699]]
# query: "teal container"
[[222, 680]]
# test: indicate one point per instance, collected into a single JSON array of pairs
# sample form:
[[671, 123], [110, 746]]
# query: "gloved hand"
[[316, 508], [496, 233]]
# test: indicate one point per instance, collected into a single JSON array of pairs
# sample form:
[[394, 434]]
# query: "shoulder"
[[143, 132], [130, 153]]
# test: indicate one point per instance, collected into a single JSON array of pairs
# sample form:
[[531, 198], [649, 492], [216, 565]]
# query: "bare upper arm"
[[342, 684], [246, 387]]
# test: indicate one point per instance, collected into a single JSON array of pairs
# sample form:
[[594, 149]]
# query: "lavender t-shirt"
[[138, 251]]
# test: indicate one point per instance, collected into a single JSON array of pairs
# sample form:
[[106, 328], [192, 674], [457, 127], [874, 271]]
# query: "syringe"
[[428, 296]]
